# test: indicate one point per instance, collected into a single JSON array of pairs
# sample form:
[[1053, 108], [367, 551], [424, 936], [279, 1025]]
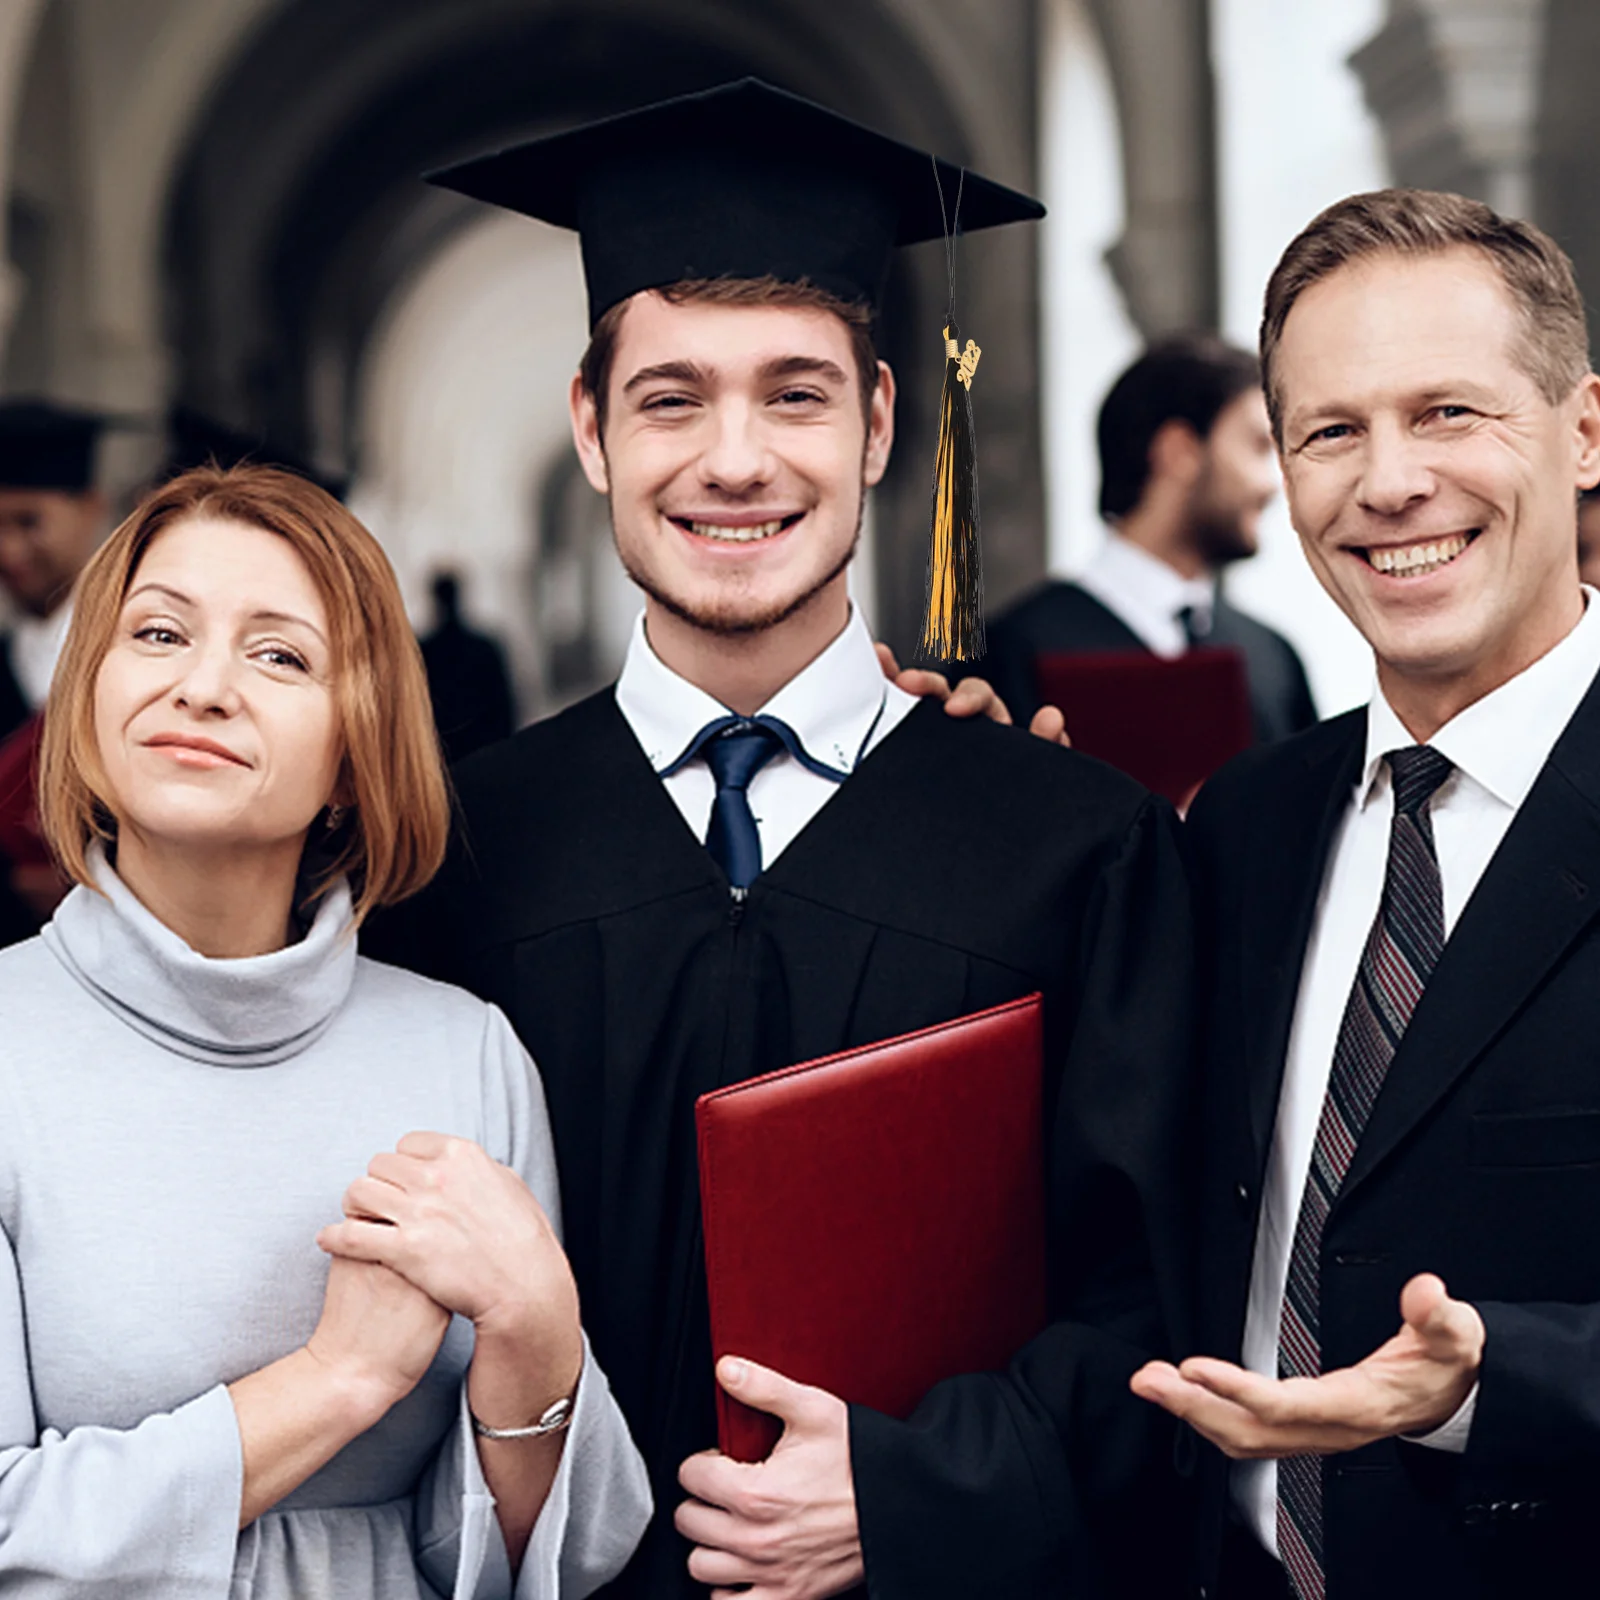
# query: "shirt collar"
[[36, 644], [832, 705], [1503, 740], [1146, 580]]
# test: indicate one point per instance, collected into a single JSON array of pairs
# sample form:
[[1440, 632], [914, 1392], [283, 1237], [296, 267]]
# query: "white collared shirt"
[[1147, 594], [841, 707], [35, 648], [1498, 746]]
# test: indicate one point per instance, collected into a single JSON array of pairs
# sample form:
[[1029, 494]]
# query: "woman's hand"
[[377, 1331], [375, 1339], [469, 1233]]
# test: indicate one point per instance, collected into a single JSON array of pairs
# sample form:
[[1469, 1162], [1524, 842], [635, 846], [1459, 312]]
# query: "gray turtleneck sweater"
[[173, 1132]]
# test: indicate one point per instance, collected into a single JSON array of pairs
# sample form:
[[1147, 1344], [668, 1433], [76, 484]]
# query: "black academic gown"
[[14, 708], [1062, 617], [962, 865]]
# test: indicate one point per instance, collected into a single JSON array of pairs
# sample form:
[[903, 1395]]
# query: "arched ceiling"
[[297, 209], [298, 205]]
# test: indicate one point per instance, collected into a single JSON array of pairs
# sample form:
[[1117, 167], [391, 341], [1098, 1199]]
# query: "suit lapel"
[[1280, 904], [1540, 890]]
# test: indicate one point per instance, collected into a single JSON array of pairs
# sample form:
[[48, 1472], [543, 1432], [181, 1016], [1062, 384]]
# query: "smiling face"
[[736, 457], [214, 713], [1431, 482]]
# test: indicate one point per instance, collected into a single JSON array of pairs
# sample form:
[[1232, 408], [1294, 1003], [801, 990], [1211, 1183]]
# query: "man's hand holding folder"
[[787, 1525], [874, 1223]]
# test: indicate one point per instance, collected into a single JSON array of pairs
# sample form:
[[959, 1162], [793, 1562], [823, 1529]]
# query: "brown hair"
[[1554, 347], [394, 840], [594, 371]]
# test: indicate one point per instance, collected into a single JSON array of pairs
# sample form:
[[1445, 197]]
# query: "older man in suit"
[[1403, 911]]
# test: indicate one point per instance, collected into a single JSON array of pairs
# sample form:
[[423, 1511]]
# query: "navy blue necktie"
[[735, 756], [736, 749]]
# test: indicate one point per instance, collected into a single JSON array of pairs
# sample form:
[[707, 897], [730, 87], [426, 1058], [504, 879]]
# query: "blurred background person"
[[467, 676], [1589, 537], [1187, 466], [51, 518]]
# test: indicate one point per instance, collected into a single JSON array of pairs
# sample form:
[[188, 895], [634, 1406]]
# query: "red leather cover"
[[1170, 724], [874, 1221]]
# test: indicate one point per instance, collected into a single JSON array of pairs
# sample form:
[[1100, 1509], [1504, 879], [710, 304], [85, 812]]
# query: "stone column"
[[1454, 84]]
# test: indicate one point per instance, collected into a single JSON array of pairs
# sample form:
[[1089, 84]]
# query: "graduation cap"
[[749, 181], [196, 440], [48, 446]]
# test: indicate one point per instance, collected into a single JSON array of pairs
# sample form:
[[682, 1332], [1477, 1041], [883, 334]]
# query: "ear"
[[1586, 433], [880, 427], [1177, 452], [586, 435]]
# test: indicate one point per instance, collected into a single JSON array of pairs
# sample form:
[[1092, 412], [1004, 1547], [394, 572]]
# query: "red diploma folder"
[[1170, 724], [874, 1221]]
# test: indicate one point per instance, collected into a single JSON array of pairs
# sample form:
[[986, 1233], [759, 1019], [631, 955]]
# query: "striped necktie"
[[1400, 954]]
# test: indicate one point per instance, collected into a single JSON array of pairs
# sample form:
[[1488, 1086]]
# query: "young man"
[[755, 851], [1186, 469], [1404, 1110]]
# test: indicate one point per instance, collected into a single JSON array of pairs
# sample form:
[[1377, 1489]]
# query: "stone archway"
[[293, 218]]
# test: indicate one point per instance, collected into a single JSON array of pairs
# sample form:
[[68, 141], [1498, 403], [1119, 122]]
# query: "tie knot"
[[738, 753], [1417, 771]]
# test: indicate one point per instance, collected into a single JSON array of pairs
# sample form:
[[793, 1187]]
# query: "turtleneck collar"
[[252, 1012]]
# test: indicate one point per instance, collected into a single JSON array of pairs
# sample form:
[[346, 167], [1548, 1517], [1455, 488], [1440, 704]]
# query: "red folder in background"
[[874, 1221], [1170, 724]]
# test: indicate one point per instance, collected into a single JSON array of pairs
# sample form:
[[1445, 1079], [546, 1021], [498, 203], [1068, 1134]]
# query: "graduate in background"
[[753, 850], [51, 518], [1187, 466], [467, 678]]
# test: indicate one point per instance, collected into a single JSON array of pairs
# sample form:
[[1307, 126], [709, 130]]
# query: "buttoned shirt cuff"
[[1451, 1436]]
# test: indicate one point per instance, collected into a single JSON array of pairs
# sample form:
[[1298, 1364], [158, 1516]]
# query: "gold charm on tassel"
[[952, 627]]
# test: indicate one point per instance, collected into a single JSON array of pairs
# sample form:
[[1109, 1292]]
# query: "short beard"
[[713, 619], [1220, 540]]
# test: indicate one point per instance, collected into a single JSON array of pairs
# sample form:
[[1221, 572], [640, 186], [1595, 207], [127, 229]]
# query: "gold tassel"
[[952, 626]]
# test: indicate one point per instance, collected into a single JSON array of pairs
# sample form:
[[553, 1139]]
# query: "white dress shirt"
[[841, 708], [1147, 594], [35, 648], [1498, 746]]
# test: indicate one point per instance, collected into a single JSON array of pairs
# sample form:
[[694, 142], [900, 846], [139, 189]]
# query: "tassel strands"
[[952, 626]]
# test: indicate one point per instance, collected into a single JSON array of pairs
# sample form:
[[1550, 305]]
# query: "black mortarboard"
[[741, 181], [48, 446], [196, 440]]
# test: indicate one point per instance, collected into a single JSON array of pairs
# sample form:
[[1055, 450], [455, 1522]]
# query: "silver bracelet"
[[556, 1417]]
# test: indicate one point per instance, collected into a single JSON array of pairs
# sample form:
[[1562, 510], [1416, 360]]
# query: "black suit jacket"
[[1062, 617], [1481, 1162]]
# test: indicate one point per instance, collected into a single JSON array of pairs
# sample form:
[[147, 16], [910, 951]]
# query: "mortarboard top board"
[[48, 446], [740, 181]]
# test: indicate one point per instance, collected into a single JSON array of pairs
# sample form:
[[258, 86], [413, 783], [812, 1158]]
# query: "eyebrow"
[[781, 367], [255, 616], [676, 371], [801, 366]]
